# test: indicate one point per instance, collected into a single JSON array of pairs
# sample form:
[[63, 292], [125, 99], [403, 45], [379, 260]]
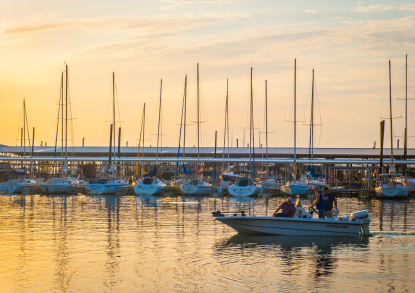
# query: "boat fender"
[[360, 215]]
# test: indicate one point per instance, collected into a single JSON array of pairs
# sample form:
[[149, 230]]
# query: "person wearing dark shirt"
[[319, 203], [287, 207], [329, 199]]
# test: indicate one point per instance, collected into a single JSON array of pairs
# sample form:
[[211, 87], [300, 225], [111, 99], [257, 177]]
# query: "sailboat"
[[196, 186], [63, 184], [313, 178], [149, 184], [269, 182], [179, 180], [408, 182], [299, 187], [246, 186], [228, 177], [389, 187], [111, 184], [15, 185]]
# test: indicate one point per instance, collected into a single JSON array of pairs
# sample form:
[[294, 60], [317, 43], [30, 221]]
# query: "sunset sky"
[[347, 43]]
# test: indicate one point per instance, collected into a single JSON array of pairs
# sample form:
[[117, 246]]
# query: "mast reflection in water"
[[147, 243]]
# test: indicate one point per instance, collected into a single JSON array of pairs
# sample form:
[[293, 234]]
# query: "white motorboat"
[[105, 186], [197, 187], [149, 186], [245, 187], [302, 224], [390, 188], [59, 185]]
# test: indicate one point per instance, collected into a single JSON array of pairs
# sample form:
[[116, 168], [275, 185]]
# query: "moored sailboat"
[[246, 186], [149, 184], [196, 186], [63, 184], [110, 184], [388, 187]]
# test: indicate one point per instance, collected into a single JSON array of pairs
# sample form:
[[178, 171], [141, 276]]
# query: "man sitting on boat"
[[288, 209], [329, 199], [319, 203]]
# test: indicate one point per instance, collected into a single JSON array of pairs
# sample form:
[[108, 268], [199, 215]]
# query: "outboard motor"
[[362, 216]]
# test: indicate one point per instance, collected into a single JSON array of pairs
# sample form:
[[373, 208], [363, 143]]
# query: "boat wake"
[[391, 233]]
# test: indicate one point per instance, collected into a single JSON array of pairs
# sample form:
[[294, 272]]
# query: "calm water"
[[164, 244]]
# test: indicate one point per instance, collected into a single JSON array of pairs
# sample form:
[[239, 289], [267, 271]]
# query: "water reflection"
[[147, 243], [315, 254]]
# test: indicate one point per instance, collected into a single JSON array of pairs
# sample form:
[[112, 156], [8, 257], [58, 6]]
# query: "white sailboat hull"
[[244, 191], [383, 192], [190, 189], [57, 188], [15, 186], [295, 189], [149, 189], [410, 184], [103, 189]]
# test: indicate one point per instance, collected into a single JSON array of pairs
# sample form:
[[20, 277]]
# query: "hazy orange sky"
[[347, 43]]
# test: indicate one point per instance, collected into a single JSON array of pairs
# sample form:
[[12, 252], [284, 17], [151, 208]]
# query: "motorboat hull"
[[294, 226], [148, 189], [244, 191]]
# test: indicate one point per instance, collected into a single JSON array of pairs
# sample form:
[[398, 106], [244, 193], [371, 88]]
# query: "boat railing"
[[222, 214]]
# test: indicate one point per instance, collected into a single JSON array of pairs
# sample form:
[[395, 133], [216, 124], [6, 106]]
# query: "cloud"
[[199, 1], [143, 24], [373, 8], [310, 10], [336, 17], [408, 7]]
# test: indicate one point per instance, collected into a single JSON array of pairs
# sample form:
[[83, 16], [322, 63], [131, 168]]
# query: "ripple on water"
[[146, 243]]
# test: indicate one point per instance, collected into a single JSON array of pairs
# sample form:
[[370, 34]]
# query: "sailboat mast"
[[184, 117], [266, 123], [253, 128], [24, 127], [250, 125], [198, 114], [113, 109], [66, 116], [390, 111], [158, 127], [312, 117], [227, 115], [295, 119], [61, 101], [144, 124], [406, 111]]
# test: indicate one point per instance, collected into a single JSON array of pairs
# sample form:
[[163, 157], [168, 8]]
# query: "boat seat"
[[300, 212]]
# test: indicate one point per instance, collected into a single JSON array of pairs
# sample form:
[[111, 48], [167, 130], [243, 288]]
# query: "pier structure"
[[334, 163]]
